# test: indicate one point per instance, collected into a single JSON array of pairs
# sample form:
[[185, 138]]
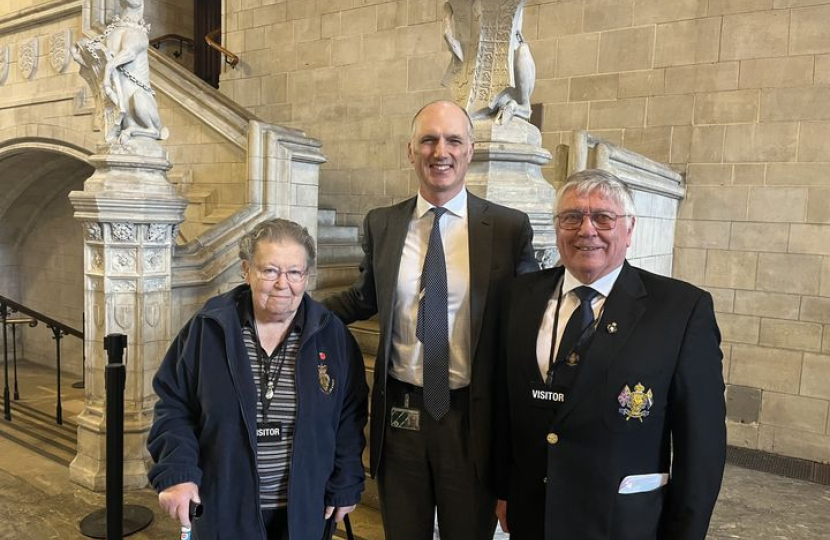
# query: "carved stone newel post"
[[129, 211], [492, 75]]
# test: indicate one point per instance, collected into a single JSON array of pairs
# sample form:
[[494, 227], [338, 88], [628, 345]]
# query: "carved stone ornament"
[[154, 285], [123, 261], [124, 316], [5, 58], [491, 71], [156, 232], [152, 313], [153, 260], [28, 58], [59, 45], [97, 260], [124, 232], [120, 285], [92, 231], [547, 258]]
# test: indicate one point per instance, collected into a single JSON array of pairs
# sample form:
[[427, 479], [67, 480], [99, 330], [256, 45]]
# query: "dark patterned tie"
[[432, 328], [580, 320]]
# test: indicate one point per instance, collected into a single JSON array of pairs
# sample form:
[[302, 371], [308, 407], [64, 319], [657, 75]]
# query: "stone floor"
[[38, 502]]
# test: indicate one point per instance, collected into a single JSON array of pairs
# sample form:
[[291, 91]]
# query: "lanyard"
[[267, 383], [552, 358], [584, 337]]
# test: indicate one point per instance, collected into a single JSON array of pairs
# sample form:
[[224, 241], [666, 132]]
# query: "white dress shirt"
[[569, 304], [407, 363]]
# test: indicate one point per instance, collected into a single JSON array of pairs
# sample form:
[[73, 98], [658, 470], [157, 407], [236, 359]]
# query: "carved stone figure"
[[492, 73], [116, 67]]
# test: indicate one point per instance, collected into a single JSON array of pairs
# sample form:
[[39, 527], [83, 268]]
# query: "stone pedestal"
[[129, 212], [506, 169]]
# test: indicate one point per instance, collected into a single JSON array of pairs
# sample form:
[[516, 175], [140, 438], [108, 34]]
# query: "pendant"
[[269, 392]]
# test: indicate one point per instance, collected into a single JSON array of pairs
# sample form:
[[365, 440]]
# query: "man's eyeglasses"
[[602, 221], [273, 274]]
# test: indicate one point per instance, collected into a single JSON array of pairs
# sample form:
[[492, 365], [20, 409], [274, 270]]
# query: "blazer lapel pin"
[[611, 328]]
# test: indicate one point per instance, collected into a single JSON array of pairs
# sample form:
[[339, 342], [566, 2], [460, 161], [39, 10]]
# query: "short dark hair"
[[277, 230]]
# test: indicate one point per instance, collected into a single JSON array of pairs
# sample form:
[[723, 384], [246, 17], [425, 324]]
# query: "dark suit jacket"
[[500, 248], [666, 339]]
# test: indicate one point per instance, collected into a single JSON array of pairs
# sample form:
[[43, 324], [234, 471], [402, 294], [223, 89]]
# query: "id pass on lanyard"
[[269, 431], [405, 417]]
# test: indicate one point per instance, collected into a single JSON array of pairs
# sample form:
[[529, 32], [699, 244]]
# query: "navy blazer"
[[656, 332], [501, 247]]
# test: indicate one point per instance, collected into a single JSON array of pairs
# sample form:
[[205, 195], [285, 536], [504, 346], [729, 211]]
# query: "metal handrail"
[[210, 39], [157, 41], [59, 330], [20, 308]]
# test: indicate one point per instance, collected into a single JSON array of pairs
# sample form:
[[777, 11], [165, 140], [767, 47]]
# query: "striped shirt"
[[274, 457]]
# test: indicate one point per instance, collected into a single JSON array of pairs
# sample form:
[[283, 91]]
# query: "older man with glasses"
[[612, 419]]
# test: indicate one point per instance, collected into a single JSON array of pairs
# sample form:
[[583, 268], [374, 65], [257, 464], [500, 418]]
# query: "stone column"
[[129, 213], [507, 169]]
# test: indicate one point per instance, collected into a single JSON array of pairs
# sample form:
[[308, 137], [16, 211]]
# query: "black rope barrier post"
[[14, 357], [57, 335], [7, 406], [115, 380], [117, 520], [82, 382]]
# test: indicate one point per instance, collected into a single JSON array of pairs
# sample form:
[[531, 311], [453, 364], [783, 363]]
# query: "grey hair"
[[470, 129], [277, 230], [603, 182]]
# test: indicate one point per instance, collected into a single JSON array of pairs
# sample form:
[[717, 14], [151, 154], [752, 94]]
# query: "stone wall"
[[736, 95], [169, 17], [8, 7], [51, 279]]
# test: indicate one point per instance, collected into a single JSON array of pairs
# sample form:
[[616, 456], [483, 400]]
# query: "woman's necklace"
[[269, 376]]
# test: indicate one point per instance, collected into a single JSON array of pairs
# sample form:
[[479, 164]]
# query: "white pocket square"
[[640, 483]]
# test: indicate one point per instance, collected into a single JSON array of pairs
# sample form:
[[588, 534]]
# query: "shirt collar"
[[603, 285], [456, 206]]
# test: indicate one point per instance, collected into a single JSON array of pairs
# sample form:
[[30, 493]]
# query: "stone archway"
[[40, 242]]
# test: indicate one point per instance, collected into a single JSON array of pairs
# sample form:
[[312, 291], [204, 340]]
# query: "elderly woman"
[[262, 404]]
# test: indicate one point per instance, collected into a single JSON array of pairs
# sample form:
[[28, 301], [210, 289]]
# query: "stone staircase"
[[37, 431], [338, 254], [202, 213], [338, 258], [203, 209]]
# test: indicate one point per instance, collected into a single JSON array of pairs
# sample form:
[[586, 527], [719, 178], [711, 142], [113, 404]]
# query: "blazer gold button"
[[553, 438], [545, 480]]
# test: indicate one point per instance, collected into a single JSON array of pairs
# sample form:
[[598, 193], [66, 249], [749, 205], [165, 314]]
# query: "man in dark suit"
[[431, 452], [614, 415]]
